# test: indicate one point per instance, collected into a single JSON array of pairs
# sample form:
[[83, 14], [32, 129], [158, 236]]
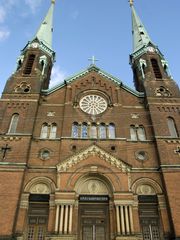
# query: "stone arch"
[[93, 184], [40, 185], [146, 186]]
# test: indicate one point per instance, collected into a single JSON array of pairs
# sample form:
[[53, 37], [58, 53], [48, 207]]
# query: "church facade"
[[90, 159]]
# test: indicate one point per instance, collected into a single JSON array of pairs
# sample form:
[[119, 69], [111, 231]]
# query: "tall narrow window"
[[102, 130], [44, 131], [133, 133], [156, 68], [29, 64], [172, 127], [53, 130], [13, 123], [75, 130], [84, 130], [141, 133], [93, 132], [111, 130]]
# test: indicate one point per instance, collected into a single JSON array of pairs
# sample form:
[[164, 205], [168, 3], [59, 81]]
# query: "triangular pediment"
[[93, 150], [98, 71]]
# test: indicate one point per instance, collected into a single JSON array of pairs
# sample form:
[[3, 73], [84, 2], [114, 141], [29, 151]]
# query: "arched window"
[[93, 131], [44, 131], [141, 133], [172, 127], [13, 123], [111, 130], [156, 68], [53, 130], [84, 130], [102, 131], [75, 130], [133, 133], [29, 64]]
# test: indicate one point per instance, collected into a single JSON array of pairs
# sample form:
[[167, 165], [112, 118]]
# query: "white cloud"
[[57, 76], [33, 4], [4, 34], [2, 14]]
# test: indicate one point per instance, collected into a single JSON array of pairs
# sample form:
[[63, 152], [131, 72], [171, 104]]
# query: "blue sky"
[[83, 28]]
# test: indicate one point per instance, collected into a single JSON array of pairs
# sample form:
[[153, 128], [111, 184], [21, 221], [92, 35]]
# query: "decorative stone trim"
[[94, 151], [10, 138], [146, 186]]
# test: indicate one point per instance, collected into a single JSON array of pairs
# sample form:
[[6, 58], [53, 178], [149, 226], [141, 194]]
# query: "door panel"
[[94, 222]]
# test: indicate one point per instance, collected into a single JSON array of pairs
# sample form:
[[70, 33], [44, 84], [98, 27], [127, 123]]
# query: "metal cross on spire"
[[131, 2], [93, 60]]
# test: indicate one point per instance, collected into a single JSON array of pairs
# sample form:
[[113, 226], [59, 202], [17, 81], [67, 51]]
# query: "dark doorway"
[[37, 217], [94, 221], [149, 217]]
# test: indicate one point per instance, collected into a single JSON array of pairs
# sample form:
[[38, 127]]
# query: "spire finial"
[[53, 1], [131, 2]]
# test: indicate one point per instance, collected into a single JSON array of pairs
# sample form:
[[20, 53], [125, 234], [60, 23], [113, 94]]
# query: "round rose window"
[[93, 104]]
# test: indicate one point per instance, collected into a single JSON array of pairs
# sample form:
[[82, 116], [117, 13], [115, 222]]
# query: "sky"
[[86, 28]]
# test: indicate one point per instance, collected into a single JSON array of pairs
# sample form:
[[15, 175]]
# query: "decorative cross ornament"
[[131, 2], [177, 151], [93, 60], [4, 151]]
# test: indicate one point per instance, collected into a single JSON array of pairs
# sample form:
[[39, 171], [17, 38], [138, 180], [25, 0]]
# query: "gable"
[[93, 150], [99, 73]]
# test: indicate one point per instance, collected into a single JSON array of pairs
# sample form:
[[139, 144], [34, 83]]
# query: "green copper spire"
[[140, 35], [44, 33]]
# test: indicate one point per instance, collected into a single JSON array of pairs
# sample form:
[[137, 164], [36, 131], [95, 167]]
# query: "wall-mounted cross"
[[4, 151], [93, 60], [177, 151]]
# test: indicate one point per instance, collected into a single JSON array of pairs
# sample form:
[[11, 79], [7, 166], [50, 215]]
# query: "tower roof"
[[140, 35], [44, 33]]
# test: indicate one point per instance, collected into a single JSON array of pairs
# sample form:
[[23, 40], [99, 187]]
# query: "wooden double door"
[[94, 222]]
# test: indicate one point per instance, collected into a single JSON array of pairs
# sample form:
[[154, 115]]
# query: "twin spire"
[[44, 33], [140, 35]]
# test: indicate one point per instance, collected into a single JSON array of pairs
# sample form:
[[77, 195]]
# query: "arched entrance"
[[94, 195]]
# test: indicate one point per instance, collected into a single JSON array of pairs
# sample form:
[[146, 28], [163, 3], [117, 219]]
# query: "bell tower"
[[150, 68], [35, 62], [162, 99]]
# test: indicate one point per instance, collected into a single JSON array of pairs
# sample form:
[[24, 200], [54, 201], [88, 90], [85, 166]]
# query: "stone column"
[[66, 219], [122, 220], [57, 218], [61, 219], [118, 220], [127, 220], [131, 219], [70, 219]]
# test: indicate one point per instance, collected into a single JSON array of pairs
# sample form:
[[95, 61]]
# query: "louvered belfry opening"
[[29, 64], [156, 68]]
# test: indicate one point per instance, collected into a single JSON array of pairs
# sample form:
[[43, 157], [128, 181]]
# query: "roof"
[[93, 68]]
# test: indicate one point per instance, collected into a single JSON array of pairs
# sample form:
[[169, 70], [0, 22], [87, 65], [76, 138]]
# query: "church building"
[[91, 158]]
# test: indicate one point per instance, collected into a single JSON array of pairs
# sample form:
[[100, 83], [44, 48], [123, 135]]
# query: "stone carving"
[[162, 92], [23, 87], [93, 186], [40, 188], [145, 190], [92, 151]]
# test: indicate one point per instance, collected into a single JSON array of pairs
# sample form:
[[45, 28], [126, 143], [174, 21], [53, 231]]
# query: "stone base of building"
[[61, 237], [132, 237]]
